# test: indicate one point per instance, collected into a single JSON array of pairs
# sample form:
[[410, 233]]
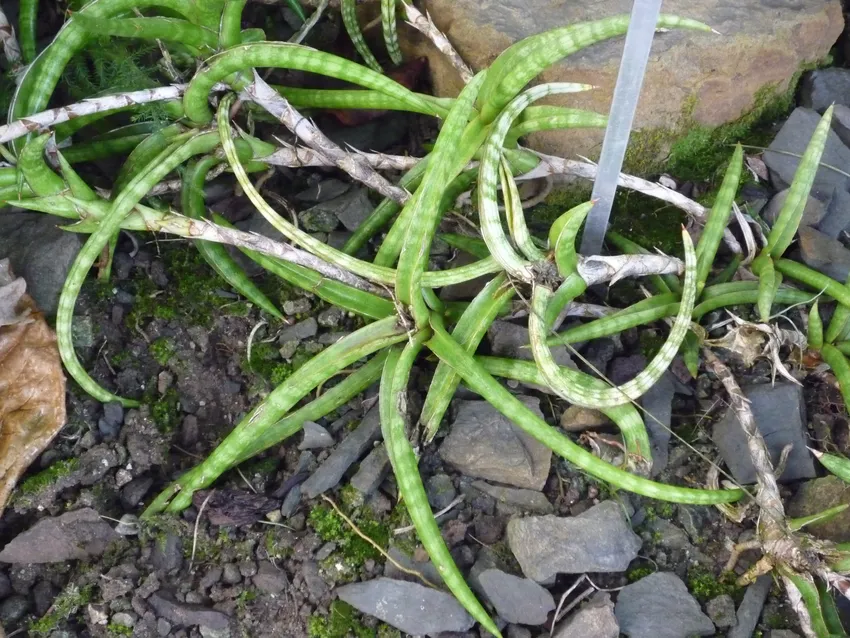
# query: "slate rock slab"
[[598, 540], [530, 501], [658, 402], [824, 254], [77, 535], [749, 611], [595, 618], [484, 444], [841, 123], [440, 490], [40, 252], [187, 614], [837, 216], [424, 567], [315, 436], [659, 606], [299, 331], [721, 610], [510, 340], [352, 208], [822, 87], [813, 212], [410, 607], [779, 412], [794, 137], [348, 452], [517, 600], [371, 472]]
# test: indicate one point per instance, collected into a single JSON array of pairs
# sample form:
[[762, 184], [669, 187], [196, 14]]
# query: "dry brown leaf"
[[752, 341], [32, 385]]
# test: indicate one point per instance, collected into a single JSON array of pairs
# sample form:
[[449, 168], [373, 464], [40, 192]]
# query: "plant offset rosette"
[[395, 292]]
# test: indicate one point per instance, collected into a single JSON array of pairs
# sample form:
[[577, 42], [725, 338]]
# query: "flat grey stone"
[[624, 369], [299, 331], [187, 614], [291, 502], [794, 137], [487, 559], [270, 579], [598, 540], [441, 491], [409, 607], [323, 190], [813, 213], [484, 444], [824, 254], [658, 402], [351, 208], [659, 606], [372, 471], [348, 452], [530, 501], [167, 554], [315, 437], [40, 252], [594, 619], [426, 567], [515, 631], [822, 87], [510, 340], [517, 600], [841, 122], [78, 535], [779, 412], [721, 610], [837, 218], [376, 135]]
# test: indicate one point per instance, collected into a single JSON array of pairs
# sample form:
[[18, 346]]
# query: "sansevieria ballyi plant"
[[208, 130]]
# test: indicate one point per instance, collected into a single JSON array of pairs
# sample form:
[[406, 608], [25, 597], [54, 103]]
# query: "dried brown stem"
[[304, 129], [425, 25], [600, 269], [46, 119], [314, 18], [148, 219], [299, 156], [11, 49]]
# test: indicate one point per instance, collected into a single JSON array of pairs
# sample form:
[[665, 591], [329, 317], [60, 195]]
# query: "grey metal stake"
[[626, 93]]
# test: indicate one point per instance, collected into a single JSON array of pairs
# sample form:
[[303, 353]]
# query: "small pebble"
[[248, 568], [296, 306], [231, 574]]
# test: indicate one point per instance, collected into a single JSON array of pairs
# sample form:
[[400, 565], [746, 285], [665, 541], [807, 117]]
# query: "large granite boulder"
[[692, 76]]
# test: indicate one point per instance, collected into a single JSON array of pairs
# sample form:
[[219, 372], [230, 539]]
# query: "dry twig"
[[425, 25], [357, 531], [303, 128], [11, 48]]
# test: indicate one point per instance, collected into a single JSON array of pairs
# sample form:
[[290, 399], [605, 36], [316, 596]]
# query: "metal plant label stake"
[[626, 93]]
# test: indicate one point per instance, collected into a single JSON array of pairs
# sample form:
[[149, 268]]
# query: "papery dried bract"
[[32, 386]]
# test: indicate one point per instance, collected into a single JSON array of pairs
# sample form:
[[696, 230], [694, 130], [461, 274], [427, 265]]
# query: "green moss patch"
[[68, 603], [36, 483]]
